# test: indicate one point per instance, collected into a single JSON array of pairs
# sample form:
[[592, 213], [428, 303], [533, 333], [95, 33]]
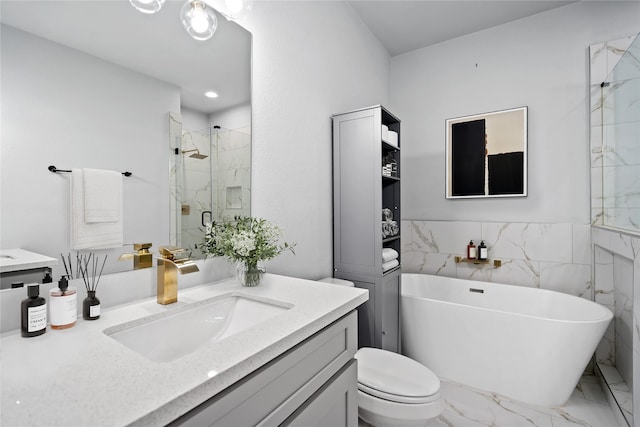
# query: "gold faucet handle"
[[180, 257], [174, 253], [142, 257], [142, 248]]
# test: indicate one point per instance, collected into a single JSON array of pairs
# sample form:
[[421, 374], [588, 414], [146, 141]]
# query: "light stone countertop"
[[82, 377], [19, 259]]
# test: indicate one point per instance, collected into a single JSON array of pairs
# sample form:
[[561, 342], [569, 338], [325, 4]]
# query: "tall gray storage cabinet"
[[361, 190]]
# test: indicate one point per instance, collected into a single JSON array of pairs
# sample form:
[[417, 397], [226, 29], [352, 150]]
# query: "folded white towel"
[[393, 138], [102, 195], [389, 265], [385, 133], [85, 235], [389, 254]]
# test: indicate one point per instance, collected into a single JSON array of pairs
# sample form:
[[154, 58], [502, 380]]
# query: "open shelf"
[[495, 262]]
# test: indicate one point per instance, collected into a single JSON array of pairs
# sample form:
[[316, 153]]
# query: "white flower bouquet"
[[245, 240]]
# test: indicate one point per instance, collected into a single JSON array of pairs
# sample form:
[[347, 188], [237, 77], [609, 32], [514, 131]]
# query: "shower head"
[[195, 155]]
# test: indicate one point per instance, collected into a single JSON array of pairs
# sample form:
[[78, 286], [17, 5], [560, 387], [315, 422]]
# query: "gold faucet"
[[174, 260], [142, 257]]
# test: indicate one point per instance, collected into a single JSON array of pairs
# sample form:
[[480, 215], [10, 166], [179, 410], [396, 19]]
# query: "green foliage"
[[244, 239]]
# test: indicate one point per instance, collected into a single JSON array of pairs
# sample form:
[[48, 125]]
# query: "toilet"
[[393, 390]]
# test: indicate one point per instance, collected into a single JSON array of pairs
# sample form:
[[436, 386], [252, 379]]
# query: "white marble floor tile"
[[468, 407]]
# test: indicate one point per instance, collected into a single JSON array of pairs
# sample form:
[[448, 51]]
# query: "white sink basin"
[[165, 337]]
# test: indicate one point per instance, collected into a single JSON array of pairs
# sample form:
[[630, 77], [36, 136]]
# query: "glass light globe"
[[237, 8], [234, 10], [147, 6], [198, 19]]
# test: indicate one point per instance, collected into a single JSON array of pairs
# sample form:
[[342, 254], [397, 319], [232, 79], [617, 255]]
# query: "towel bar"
[[56, 170]]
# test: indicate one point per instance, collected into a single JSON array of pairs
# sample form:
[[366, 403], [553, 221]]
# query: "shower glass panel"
[[620, 179], [621, 142], [215, 181]]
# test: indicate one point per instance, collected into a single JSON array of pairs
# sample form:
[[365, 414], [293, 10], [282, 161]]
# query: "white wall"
[[235, 118], [193, 120], [540, 62], [58, 109], [310, 60]]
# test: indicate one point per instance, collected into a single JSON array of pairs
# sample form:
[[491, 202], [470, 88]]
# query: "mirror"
[[486, 155], [214, 177], [91, 84]]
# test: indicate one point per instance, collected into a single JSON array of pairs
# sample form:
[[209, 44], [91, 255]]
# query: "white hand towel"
[[102, 195], [389, 254], [85, 235], [389, 265]]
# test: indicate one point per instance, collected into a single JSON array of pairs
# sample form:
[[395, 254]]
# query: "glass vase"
[[91, 306], [249, 274]]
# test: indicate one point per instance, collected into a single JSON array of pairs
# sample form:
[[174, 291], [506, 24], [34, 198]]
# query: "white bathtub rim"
[[605, 314]]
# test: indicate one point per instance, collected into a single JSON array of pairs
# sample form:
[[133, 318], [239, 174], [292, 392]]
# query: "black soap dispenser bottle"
[[34, 312], [482, 251]]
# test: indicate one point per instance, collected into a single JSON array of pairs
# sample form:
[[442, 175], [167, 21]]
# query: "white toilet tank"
[[336, 281]]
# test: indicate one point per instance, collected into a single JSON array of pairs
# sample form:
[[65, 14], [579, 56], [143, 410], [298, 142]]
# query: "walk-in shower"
[[615, 180], [214, 180]]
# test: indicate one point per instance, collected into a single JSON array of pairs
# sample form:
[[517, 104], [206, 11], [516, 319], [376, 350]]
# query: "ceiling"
[[403, 26], [156, 45]]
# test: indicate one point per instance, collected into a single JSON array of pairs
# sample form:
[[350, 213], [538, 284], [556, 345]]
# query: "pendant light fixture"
[[198, 19], [147, 6], [199, 16]]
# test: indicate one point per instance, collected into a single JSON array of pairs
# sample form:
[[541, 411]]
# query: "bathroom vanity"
[[294, 368]]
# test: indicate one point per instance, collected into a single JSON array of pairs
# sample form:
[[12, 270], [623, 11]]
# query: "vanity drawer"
[[268, 396], [335, 404]]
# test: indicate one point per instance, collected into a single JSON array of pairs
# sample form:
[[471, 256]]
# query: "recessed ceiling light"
[[211, 94]]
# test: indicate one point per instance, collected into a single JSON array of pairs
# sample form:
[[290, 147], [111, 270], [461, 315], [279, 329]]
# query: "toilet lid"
[[395, 377]]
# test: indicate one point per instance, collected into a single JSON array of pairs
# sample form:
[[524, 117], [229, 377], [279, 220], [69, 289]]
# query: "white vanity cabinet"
[[312, 384]]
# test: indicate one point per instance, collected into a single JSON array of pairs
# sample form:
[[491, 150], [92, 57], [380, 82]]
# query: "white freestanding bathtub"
[[528, 344]]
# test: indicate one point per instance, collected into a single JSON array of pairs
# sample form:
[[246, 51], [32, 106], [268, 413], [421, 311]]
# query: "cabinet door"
[[368, 323], [390, 295], [357, 192], [335, 404]]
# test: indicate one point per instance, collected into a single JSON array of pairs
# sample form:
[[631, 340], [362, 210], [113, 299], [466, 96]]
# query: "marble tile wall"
[[617, 273], [548, 256], [605, 295], [234, 173]]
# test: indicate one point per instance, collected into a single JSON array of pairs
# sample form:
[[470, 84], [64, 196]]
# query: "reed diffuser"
[[89, 267]]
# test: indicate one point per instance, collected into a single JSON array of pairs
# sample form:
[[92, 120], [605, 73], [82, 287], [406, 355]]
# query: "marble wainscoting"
[[548, 256]]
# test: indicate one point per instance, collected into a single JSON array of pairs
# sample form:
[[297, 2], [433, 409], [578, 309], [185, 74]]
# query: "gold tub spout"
[[174, 260]]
